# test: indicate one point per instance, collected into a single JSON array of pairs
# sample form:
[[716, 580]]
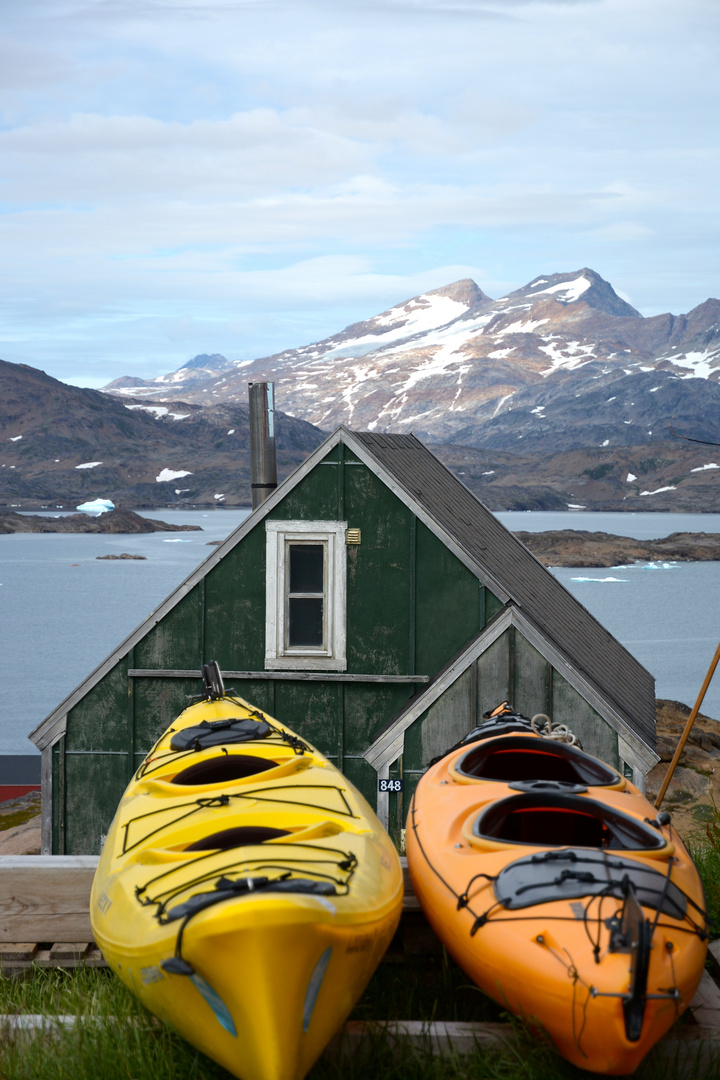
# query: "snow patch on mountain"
[[171, 474], [500, 404], [572, 290], [701, 364], [571, 355], [426, 313], [521, 327], [160, 410]]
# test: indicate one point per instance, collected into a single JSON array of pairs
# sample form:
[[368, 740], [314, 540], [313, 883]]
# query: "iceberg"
[[96, 506], [599, 579]]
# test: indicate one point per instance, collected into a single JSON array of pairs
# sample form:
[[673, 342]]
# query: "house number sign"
[[385, 784]]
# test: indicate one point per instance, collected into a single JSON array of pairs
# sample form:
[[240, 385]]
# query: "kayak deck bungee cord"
[[246, 891], [553, 883]]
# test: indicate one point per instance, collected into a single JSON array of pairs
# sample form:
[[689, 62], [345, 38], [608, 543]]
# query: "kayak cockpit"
[[559, 820], [528, 758], [240, 836], [223, 769]]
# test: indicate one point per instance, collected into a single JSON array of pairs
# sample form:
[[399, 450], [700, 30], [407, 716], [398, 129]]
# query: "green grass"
[[424, 988], [120, 1041], [67, 991], [705, 849], [18, 811], [117, 1040]]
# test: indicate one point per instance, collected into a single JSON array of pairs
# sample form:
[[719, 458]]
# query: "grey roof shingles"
[[591, 649]]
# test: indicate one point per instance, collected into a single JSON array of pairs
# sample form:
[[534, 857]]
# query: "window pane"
[[306, 568], [306, 621]]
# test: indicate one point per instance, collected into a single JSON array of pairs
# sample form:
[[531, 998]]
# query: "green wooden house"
[[374, 605]]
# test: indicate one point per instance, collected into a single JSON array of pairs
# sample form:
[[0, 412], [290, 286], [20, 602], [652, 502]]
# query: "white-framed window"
[[305, 592]]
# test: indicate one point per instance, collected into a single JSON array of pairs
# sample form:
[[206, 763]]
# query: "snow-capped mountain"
[[563, 361]]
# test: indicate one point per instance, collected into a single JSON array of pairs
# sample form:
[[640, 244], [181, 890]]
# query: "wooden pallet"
[[46, 898], [68, 954], [45, 914]]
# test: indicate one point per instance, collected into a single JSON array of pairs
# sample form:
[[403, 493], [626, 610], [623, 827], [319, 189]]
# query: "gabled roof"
[[478, 539], [388, 744], [591, 648]]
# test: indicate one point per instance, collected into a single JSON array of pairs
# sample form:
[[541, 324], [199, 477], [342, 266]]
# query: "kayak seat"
[[221, 770], [529, 758], [562, 821], [241, 836], [220, 733]]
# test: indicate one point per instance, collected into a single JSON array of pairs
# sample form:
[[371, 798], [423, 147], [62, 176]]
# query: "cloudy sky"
[[243, 176]]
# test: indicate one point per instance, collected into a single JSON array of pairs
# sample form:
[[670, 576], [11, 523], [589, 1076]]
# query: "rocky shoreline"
[[568, 547], [565, 547], [114, 521]]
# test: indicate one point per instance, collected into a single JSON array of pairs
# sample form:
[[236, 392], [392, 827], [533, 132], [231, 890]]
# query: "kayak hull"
[[251, 912], [553, 962]]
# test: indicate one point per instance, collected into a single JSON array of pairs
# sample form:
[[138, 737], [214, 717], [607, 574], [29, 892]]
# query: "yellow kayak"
[[246, 891]]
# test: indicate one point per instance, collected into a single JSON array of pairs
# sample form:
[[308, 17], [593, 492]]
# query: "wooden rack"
[[45, 920], [45, 914]]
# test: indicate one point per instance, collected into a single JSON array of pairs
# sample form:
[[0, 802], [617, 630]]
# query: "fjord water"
[[63, 611], [666, 614]]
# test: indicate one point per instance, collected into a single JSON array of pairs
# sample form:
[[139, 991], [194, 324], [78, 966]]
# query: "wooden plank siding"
[[503, 558]]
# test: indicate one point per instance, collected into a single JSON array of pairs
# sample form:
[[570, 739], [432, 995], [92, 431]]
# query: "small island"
[[114, 521], [124, 555], [571, 547]]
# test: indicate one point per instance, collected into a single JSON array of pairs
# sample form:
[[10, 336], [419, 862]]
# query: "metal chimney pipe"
[[262, 440]]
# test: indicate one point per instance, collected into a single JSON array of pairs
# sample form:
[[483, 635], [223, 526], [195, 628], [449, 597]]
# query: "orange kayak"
[[556, 886]]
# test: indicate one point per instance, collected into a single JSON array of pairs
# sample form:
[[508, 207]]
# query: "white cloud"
[[212, 167]]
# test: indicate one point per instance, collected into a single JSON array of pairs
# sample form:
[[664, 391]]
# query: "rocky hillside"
[[61, 444], [671, 476], [693, 797], [561, 364]]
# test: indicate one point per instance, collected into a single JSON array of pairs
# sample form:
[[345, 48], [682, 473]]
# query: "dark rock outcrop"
[[694, 792], [124, 555], [569, 547], [114, 521]]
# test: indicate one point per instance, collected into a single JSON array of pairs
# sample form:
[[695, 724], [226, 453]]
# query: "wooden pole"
[[688, 726]]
